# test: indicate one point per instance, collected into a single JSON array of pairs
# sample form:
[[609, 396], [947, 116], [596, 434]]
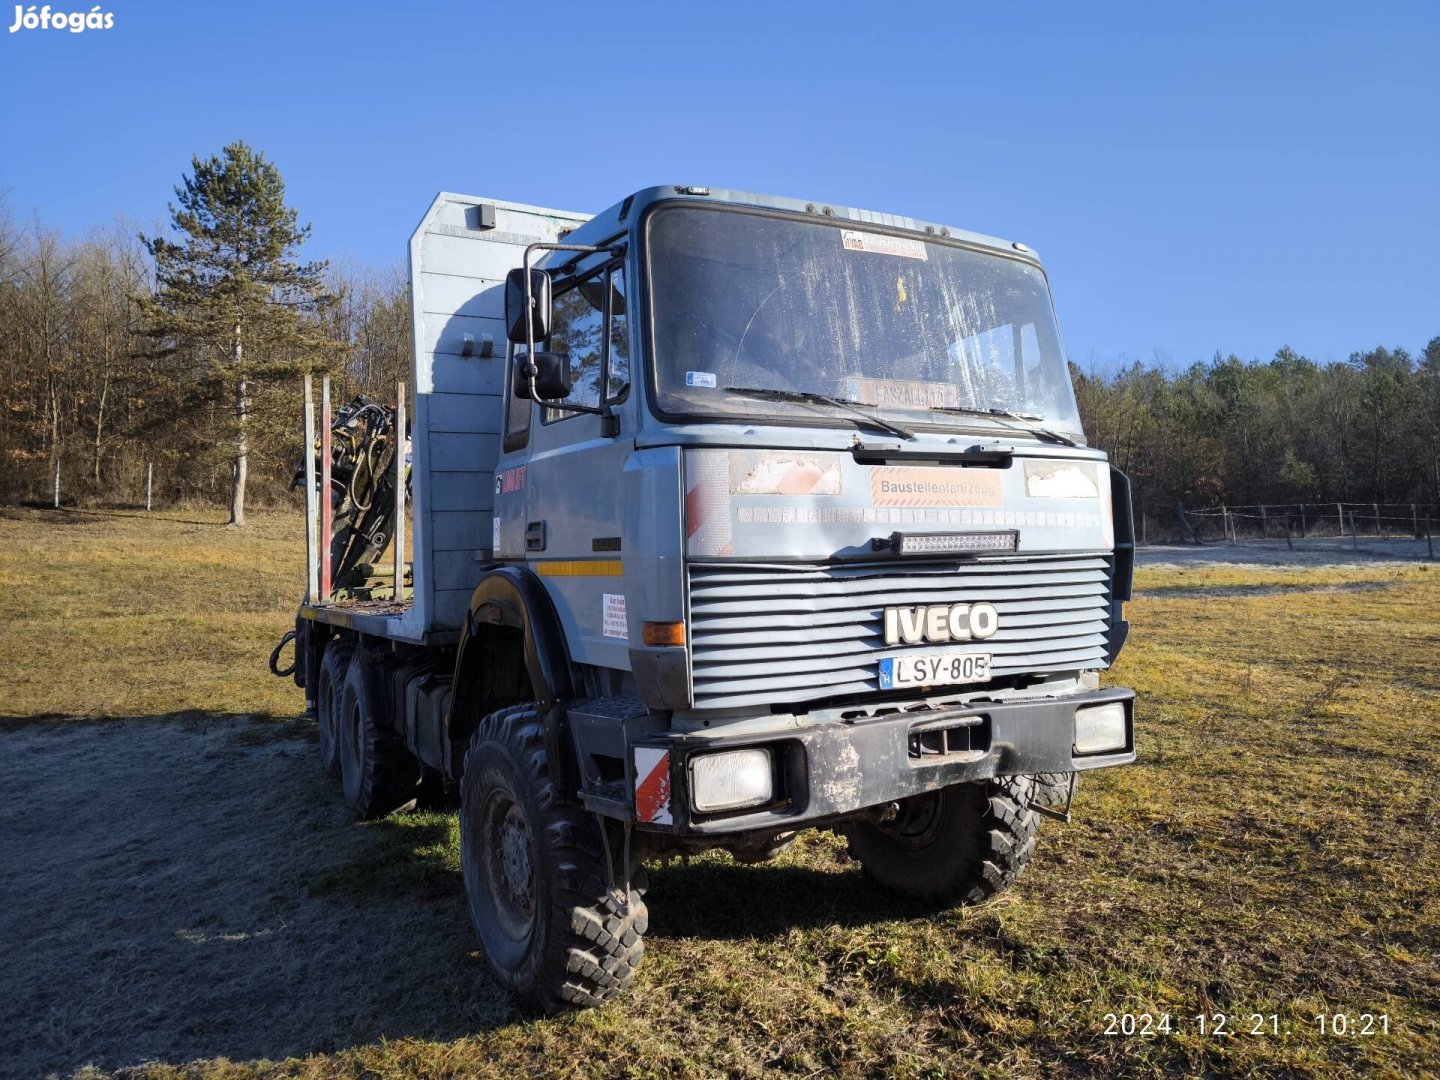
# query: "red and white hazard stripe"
[[708, 529], [652, 785]]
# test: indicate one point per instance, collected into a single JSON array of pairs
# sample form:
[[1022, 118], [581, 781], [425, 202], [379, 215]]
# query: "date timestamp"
[[1218, 1025]]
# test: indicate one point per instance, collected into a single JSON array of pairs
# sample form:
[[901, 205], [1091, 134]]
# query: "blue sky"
[[1198, 177]]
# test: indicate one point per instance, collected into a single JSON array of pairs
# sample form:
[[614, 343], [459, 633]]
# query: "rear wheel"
[[329, 689], [554, 931], [378, 773], [962, 844]]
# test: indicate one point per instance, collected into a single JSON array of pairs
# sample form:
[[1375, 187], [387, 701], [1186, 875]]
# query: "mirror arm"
[[601, 410], [609, 421], [530, 369]]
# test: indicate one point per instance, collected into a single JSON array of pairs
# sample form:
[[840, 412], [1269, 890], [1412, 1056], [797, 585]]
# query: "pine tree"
[[230, 291]]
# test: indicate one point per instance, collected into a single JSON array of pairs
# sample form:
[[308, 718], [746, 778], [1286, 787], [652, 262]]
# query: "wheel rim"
[[919, 820], [509, 865]]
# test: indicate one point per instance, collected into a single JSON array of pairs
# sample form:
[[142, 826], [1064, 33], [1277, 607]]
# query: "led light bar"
[[947, 543]]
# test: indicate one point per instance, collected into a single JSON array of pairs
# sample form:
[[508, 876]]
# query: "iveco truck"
[[729, 516]]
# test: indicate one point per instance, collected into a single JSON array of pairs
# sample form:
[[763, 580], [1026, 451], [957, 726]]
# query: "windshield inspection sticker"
[[880, 244], [700, 378]]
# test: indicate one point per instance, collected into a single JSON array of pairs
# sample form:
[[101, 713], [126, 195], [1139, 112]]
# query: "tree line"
[[1293, 430], [120, 350]]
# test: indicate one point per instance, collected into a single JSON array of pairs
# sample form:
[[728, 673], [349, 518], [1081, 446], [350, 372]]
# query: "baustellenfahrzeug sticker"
[[613, 624], [881, 244], [912, 485]]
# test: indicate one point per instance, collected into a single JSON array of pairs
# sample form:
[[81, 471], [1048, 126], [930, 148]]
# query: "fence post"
[[1144, 531], [1225, 523], [1302, 521], [1264, 523], [1340, 517], [149, 483], [1377, 518], [57, 481], [1354, 538]]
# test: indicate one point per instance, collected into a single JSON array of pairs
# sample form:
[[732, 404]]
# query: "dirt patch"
[[168, 894]]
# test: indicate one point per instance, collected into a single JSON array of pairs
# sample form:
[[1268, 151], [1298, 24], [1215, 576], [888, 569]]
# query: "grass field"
[[1274, 853]]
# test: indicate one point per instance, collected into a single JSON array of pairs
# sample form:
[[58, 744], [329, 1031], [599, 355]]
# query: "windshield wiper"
[[809, 397], [1029, 422]]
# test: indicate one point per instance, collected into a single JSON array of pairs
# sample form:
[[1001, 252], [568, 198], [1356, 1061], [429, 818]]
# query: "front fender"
[[512, 597]]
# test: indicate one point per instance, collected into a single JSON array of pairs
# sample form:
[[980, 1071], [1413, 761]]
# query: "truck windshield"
[[927, 333]]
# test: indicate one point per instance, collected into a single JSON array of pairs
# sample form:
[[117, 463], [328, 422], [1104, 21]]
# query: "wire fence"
[[1295, 523]]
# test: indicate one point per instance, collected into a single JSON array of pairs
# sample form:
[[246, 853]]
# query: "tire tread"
[[595, 944]]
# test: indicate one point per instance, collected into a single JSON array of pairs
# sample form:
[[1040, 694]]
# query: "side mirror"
[[552, 380], [515, 313]]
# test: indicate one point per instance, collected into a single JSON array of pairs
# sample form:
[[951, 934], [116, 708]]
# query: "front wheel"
[[962, 844], [554, 930]]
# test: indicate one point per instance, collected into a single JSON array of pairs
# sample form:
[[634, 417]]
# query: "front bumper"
[[827, 771]]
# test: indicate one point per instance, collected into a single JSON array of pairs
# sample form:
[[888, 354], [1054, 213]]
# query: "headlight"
[[1099, 728], [731, 779]]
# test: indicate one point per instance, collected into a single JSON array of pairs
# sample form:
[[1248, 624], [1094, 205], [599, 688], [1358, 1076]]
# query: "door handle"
[[535, 536]]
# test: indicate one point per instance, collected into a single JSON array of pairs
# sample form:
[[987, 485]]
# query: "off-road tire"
[[554, 932], [329, 689], [960, 845], [1052, 789], [377, 771]]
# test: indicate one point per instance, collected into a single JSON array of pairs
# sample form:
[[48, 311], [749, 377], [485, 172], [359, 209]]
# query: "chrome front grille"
[[764, 634]]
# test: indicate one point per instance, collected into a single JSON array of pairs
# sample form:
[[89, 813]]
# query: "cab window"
[[598, 348]]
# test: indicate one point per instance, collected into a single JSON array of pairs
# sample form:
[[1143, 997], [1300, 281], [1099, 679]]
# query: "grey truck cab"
[[733, 515]]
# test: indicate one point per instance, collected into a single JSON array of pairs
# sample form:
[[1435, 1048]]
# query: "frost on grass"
[[173, 891]]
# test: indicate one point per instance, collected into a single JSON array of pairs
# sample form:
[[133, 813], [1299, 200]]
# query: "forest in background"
[[82, 384]]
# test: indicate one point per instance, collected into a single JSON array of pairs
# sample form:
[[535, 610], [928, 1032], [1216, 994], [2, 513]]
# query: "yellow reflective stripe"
[[581, 568]]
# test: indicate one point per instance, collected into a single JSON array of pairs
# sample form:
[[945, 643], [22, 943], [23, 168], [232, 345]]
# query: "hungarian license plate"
[[934, 669]]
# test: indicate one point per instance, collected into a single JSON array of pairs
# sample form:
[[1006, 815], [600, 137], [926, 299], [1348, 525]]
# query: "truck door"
[[571, 478]]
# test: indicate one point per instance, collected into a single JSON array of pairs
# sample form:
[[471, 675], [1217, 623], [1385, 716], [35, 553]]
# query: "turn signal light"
[[656, 634]]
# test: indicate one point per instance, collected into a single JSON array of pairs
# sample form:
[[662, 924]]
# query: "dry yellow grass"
[[1276, 850], [122, 613]]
